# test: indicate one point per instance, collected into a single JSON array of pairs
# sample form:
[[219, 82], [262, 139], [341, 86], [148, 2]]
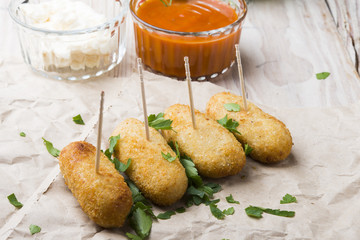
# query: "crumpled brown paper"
[[323, 170]]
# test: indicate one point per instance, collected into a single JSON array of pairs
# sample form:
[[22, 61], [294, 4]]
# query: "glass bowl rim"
[[199, 34], [13, 6]]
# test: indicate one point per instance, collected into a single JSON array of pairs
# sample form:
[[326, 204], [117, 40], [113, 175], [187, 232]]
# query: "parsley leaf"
[[229, 211], [288, 199], [180, 210], [121, 167], [216, 212], [49, 146], [279, 212], [257, 212], [232, 107], [78, 120], [322, 75], [230, 199], [247, 149], [22, 134], [166, 215], [141, 222], [159, 122], [133, 237], [34, 229], [254, 212], [113, 141], [191, 171], [168, 157], [136, 194], [13, 200], [229, 124]]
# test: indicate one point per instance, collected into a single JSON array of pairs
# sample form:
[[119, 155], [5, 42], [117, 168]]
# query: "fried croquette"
[[268, 137], [214, 150], [103, 196], [161, 181]]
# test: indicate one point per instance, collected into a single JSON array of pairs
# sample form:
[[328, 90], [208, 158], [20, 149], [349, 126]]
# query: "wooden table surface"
[[285, 43]]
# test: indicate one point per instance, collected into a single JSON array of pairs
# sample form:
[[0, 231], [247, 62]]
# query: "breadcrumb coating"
[[214, 150], [269, 137], [103, 196], [161, 181]]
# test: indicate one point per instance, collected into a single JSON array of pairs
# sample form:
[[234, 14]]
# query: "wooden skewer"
[[143, 98], [241, 76], [98, 145], [188, 79]]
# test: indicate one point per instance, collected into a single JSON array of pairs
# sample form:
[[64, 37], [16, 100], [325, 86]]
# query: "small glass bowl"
[[210, 53], [74, 54]]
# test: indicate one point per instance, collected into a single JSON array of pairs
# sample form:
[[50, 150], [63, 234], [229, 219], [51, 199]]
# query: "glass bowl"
[[77, 54], [210, 52]]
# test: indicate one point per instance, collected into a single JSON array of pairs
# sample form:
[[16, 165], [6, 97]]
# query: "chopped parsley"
[[229, 211], [159, 122], [230, 199], [256, 212], [49, 146], [166, 215], [247, 149], [322, 75], [22, 134], [34, 229], [13, 200], [288, 199], [166, 3], [78, 120], [232, 107], [168, 157], [113, 141], [216, 212], [229, 124], [141, 215]]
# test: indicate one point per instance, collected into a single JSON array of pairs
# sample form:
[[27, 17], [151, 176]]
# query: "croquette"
[[268, 137], [214, 150], [103, 196], [161, 181]]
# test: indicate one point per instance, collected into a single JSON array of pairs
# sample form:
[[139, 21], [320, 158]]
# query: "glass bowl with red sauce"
[[204, 30]]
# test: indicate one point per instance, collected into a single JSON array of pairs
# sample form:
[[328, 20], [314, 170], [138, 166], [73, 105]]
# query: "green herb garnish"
[[216, 212], [78, 120], [288, 199], [230, 199], [229, 211], [49, 146], [141, 222], [34, 229], [168, 157], [121, 167], [22, 134], [257, 212], [113, 141], [166, 215], [322, 75], [133, 237], [141, 215], [13, 200], [229, 124], [166, 3], [247, 149], [232, 107], [180, 210], [159, 122]]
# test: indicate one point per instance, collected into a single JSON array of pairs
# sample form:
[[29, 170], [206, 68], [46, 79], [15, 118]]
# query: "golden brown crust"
[[161, 181], [268, 136], [214, 150], [104, 197]]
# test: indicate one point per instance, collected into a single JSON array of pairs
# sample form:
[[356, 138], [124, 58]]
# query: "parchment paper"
[[323, 170]]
